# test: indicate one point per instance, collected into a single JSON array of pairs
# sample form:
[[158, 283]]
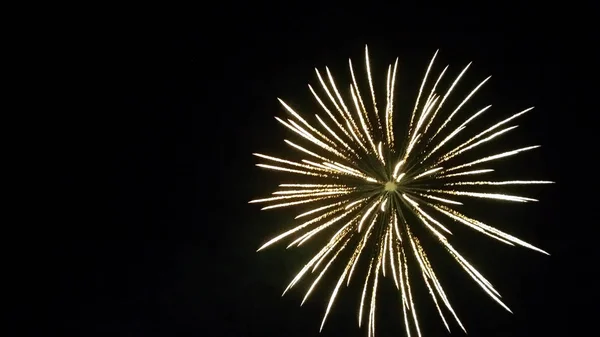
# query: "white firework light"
[[372, 190]]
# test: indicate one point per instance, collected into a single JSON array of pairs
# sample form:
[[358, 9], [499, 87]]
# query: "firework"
[[373, 190]]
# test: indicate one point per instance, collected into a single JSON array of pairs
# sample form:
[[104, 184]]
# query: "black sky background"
[[165, 245]]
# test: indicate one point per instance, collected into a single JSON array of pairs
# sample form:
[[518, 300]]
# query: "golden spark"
[[363, 185]]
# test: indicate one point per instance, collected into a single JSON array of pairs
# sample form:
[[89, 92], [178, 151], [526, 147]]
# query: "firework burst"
[[363, 183]]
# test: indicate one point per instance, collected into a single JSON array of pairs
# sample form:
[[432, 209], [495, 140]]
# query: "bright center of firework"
[[390, 186]]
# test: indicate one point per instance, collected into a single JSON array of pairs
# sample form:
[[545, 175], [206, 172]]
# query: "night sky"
[[169, 249]]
